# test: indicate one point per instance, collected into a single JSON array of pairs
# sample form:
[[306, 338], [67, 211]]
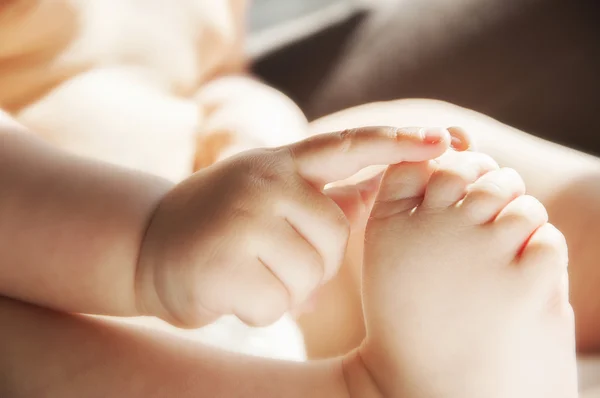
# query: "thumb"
[[356, 201]]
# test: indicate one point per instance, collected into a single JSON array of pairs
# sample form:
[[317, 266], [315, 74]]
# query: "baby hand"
[[255, 234]]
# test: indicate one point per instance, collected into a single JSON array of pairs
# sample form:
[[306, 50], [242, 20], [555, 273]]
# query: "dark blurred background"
[[532, 64]]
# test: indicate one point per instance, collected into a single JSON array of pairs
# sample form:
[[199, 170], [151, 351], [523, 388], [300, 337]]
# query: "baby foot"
[[465, 286]]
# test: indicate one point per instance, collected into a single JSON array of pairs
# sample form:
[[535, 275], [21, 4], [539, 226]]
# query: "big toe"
[[402, 188], [545, 258]]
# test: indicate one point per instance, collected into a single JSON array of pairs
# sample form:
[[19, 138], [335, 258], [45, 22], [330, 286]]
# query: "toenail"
[[433, 135], [456, 143], [460, 140]]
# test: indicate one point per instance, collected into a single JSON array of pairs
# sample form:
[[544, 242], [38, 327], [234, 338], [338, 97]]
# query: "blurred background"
[[532, 64]]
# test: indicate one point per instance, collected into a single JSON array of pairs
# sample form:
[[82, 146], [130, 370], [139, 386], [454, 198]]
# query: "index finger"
[[331, 157]]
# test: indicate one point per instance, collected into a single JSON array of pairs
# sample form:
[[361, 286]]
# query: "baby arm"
[[70, 228], [102, 358], [252, 236]]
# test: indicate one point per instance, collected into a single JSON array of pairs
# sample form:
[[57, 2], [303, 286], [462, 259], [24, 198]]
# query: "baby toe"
[[545, 259], [487, 196], [402, 188], [547, 249], [461, 140], [517, 222], [456, 171]]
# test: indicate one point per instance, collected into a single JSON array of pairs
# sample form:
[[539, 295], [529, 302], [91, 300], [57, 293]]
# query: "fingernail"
[[433, 135], [456, 143]]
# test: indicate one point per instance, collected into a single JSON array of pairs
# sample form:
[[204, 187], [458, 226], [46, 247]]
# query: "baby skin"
[[464, 282], [465, 286]]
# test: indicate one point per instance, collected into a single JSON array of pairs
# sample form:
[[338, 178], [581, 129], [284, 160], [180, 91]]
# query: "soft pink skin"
[[476, 280]]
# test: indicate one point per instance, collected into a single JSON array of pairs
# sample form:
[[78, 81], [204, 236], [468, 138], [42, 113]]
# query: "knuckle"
[[345, 140], [287, 153], [314, 266], [266, 182], [262, 171]]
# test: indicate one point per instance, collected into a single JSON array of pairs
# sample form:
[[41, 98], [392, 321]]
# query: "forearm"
[[58, 355], [71, 228]]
